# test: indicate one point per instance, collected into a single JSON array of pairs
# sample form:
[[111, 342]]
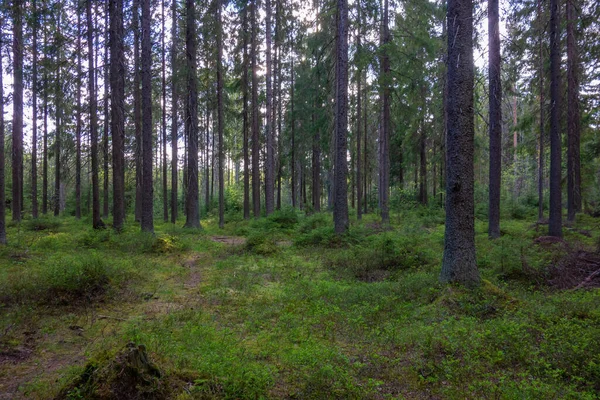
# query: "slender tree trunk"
[[255, 125], [384, 161], [105, 150], [340, 208], [117, 103], [495, 119], [573, 115], [191, 120], [423, 151], [366, 163], [58, 100], [459, 263], [359, 72], [78, 126], [17, 123], [316, 161], [45, 144], [96, 220], [220, 116], [147, 223], [34, 200], [245, 124], [269, 131], [542, 118], [174, 119], [207, 171], [137, 110], [555, 221], [164, 117], [293, 139], [2, 156]]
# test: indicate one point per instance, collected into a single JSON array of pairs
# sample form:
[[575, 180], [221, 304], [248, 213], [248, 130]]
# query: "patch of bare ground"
[[229, 240]]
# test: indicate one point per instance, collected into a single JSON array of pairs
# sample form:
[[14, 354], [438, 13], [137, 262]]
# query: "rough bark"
[[164, 117], [147, 222], [220, 116], [542, 118], [45, 144], [34, 139], [359, 73], [2, 156], [255, 122], [384, 139], [78, 124], [459, 263], [58, 123], [17, 122], [573, 115], [269, 131], [191, 120], [340, 209], [105, 132], [555, 220], [245, 123], [174, 119], [495, 119], [137, 109]]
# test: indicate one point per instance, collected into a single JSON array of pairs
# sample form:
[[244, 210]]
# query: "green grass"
[[296, 312]]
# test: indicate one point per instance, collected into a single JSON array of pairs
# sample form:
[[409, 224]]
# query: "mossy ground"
[[289, 310]]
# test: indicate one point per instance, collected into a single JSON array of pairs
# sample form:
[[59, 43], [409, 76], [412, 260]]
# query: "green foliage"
[[42, 224]]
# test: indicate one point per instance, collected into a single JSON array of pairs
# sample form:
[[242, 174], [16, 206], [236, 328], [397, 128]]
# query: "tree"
[[174, 119], [17, 123], [34, 91], [459, 263], [340, 210], [220, 116], [555, 221], [359, 74], [137, 109], [105, 152], [255, 126], [59, 112], [384, 139], [2, 160], [495, 119], [245, 123], [269, 131], [164, 117], [117, 106], [191, 120], [573, 115], [78, 126], [147, 222]]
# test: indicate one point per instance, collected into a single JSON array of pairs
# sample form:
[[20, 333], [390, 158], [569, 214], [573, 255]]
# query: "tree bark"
[[147, 222], [255, 122], [17, 123], [542, 118], [359, 73], [555, 220], [384, 139], [137, 110], [34, 85], [45, 144], [245, 124], [220, 116], [269, 131], [2, 156], [340, 209], [58, 105], [105, 149], [191, 120], [495, 119], [573, 115], [174, 119], [164, 117], [459, 263], [78, 125]]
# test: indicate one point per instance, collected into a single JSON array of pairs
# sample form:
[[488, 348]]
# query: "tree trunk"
[[574, 117], [45, 144], [147, 222], [105, 150], [17, 123], [384, 140], [340, 209], [495, 120], [117, 104], [220, 116], [359, 73], [137, 110], [423, 151], [316, 162], [164, 118], [555, 221], [255, 122], [459, 263], [245, 115], [269, 131], [34, 85], [78, 126], [174, 119], [542, 118], [58, 105], [191, 120], [2, 156], [293, 138]]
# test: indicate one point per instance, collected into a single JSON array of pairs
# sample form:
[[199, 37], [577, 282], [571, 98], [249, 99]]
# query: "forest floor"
[[282, 308]]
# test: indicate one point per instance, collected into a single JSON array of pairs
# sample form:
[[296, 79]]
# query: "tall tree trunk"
[[164, 117], [293, 138], [359, 73], [207, 172], [573, 115], [542, 117], [96, 220], [58, 100], [174, 119], [316, 160], [45, 144], [269, 131], [2, 157], [17, 123], [147, 222], [105, 150], [245, 123], [137, 110], [191, 120], [34, 85], [340, 208], [78, 126], [117, 103], [255, 125], [366, 163], [495, 119], [220, 116], [423, 150], [555, 221], [459, 263], [384, 161]]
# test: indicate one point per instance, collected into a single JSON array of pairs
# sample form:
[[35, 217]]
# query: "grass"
[[294, 311]]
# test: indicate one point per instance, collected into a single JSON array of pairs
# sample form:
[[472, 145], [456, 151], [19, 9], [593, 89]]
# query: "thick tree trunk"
[[495, 119], [191, 120], [34, 180], [137, 110], [340, 208], [147, 222], [555, 221], [573, 115], [220, 116], [17, 123], [174, 119], [384, 139], [459, 262], [255, 122], [117, 104]]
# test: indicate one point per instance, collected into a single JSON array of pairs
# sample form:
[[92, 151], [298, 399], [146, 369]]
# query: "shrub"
[[42, 224]]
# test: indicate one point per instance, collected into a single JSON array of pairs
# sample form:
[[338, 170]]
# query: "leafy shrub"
[[42, 224], [285, 218], [313, 222], [259, 243]]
